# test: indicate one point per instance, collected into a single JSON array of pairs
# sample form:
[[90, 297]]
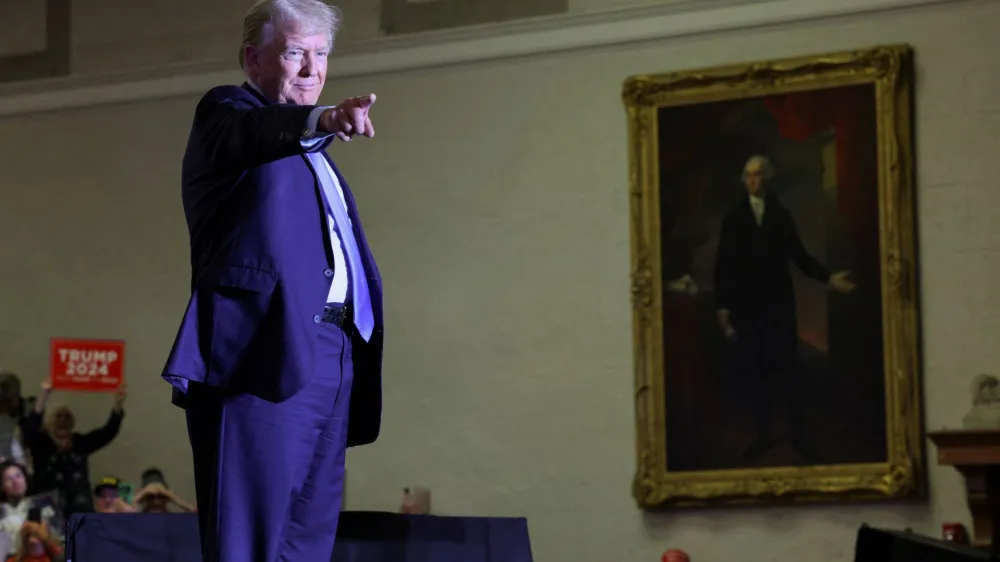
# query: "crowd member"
[[416, 501], [11, 418], [37, 545], [60, 456], [107, 497], [155, 496], [16, 507]]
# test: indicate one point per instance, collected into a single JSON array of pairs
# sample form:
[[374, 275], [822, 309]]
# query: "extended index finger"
[[365, 102]]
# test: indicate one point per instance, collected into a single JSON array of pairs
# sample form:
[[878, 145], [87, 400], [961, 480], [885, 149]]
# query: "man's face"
[[106, 499], [290, 64], [753, 177]]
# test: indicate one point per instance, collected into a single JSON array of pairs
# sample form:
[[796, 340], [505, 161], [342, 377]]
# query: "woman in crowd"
[[16, 507], [60, 455]]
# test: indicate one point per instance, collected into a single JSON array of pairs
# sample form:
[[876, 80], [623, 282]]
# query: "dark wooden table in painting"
[[773, 260]]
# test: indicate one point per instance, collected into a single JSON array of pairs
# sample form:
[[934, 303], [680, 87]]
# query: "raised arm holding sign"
[[60, 455]]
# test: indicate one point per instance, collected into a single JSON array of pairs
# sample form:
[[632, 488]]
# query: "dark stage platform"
[[361, 537]]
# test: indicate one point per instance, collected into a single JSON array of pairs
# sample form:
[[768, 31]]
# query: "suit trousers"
[[269, 476]]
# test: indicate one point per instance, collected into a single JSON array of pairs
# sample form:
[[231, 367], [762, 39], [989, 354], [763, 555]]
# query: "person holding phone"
[[37, 545]]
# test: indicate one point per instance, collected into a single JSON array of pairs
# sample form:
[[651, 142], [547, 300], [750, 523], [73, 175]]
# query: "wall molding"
[[545, 35]]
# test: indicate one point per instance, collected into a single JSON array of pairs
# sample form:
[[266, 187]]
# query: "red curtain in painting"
[[855, 340], [850, 113]]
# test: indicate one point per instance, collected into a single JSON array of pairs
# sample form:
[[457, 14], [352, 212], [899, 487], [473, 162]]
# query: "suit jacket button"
[[328, 273], [317, 319]]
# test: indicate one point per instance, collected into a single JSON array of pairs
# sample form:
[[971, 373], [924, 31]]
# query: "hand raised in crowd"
[[122, 507], [120, 396], [349, 119], [154, 489], [43, 396]]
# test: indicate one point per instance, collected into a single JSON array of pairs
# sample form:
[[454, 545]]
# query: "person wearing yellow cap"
[[107, 497]]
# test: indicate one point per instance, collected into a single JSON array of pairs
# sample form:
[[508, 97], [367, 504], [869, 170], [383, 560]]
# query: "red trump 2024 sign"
[[88, 365]]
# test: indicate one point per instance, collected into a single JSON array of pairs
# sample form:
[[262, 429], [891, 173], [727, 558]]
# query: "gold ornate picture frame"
[[774, 281]]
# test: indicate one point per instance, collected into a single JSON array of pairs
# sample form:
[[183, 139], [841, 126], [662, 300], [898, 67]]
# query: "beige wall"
[[28, 34], [495, 199], [111, 36]]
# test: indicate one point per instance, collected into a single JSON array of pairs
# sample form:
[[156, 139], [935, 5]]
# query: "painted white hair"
[[766, 167], [313, 15]]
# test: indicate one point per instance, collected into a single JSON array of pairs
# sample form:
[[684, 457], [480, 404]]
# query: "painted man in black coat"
[[755, 299]]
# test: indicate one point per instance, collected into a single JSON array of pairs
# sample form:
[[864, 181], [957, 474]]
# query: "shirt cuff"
[[310, 136]]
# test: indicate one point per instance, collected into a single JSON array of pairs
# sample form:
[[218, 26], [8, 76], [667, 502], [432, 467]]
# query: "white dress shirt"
[[338, 288], [757, 206]]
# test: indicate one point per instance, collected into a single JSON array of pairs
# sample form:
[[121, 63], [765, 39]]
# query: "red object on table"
[[955, 532], [87, 365], [675, 555]]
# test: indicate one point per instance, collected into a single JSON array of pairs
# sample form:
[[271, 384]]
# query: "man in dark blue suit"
[[278, 358]]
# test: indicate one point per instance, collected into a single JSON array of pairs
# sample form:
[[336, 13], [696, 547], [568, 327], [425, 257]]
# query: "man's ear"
[[250, 57]]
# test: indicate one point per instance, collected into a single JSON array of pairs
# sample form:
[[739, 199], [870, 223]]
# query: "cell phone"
[[35, 515]]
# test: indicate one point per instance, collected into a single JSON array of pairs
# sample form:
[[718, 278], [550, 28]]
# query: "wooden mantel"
[[976, 454]]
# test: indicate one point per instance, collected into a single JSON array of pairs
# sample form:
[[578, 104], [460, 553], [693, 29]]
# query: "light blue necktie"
[[360, 298]]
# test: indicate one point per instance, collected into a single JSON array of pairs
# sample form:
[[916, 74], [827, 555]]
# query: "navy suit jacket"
[[259, 260]]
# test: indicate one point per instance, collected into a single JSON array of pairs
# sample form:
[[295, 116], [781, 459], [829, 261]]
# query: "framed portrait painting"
[[773, 280]]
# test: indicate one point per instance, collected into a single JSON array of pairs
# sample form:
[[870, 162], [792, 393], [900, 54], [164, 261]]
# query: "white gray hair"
[[315, 15], [766, 167]]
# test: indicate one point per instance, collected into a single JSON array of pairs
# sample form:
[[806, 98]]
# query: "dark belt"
[[339, 314]]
